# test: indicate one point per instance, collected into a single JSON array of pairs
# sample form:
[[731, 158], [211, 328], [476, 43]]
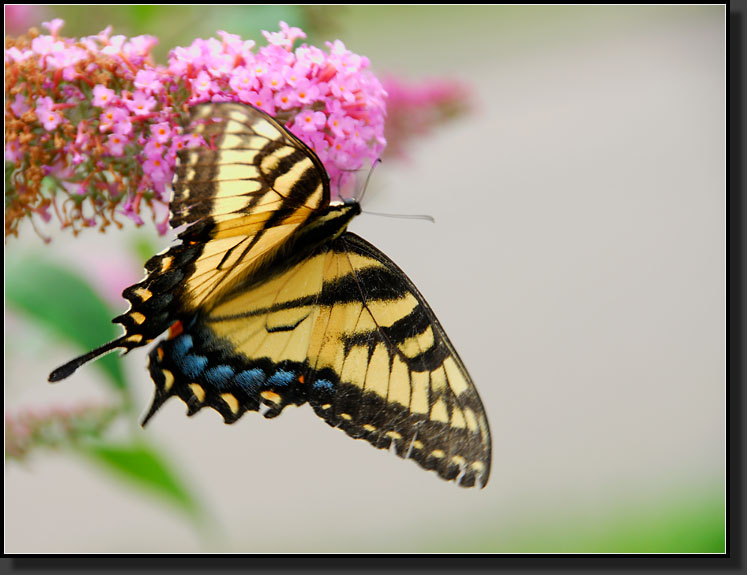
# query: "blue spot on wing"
[[250, 380], [192, 365], [281, 378], [219, 375], [322, 384], [181, 345]]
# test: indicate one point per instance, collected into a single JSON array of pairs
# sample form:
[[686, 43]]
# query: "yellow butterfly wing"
[[345, 330]]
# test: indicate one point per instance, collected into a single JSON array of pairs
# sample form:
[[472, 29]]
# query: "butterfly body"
[[269, 301]]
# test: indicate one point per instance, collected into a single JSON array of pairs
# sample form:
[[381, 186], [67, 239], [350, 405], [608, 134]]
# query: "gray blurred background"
[[577, 263]]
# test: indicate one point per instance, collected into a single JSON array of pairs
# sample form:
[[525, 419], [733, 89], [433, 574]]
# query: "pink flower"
[[82, 136], [310, 57], [274, 81], [15, 55], [310, 121], [291, 32], [65, 58], [157, 169], [153, 148], [45, 45], [140, 104], [116, 144], [115, 45], [123, 124], [129, 210], [344, 88], [262, 100], [242, 80], [19, 106], [295, 74], [203, 84], [140, 45], [13, 151], [339, 124], [148, 81], [112, 117], [103, 96], [286, 99], [161, 132], [54, 26], [48, 117], [306, 92], [286, 37]]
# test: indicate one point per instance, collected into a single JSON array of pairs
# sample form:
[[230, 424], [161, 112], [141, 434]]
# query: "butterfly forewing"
[[242, 194]]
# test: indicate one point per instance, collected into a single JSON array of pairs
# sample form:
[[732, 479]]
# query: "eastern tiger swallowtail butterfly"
[[269, 301]]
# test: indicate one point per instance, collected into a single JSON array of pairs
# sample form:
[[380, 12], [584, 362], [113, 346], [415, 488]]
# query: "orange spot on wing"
[[300, 379], [176, 329]]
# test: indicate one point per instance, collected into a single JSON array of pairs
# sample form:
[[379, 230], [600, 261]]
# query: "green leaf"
[[64, 302], [144, 247], [141, 465]]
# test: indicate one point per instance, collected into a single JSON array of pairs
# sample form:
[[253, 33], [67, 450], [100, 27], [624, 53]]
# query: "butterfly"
[[269, 301]]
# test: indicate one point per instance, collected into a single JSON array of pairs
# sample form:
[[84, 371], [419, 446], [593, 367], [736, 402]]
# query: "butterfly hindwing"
[[347, 331]]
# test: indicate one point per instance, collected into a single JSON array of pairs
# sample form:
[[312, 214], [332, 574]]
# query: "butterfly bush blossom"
[[93, 125]]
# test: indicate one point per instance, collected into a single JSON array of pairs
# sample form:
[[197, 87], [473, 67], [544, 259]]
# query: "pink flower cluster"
[[104, 122], [330, 100], [85, 115]]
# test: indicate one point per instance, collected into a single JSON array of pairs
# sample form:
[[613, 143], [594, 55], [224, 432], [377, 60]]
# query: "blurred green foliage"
[[143, 467], [692, 521], [67, 305], [38, 289]]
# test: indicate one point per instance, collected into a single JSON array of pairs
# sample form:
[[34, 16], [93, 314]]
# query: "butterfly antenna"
[[69, 368], [403, 216], [368, 178]]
